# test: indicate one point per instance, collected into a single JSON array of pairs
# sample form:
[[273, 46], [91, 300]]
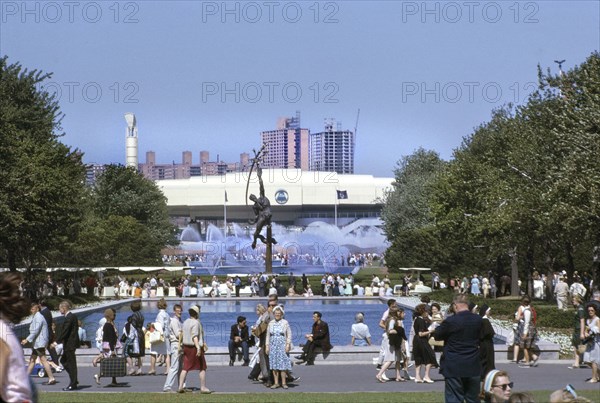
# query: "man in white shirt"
[[176, 333]]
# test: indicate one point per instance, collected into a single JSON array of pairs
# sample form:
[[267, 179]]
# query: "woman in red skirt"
[[193, 349]]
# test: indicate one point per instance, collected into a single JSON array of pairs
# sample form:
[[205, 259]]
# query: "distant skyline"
[[212, 75]]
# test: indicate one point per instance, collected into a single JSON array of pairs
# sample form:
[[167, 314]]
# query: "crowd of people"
[[278, 259], [464, 337], [458, 342]]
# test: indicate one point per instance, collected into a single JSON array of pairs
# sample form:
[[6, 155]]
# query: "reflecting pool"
[[218, 315]]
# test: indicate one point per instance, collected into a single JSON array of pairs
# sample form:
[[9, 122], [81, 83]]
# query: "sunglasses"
[[504, 386], [570, 389]]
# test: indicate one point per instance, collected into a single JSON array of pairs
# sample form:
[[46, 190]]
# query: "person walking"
[[382, 324], [38, 336], [278, 345], [137, 321], [578, 328], [527, 331], [422, 351], [69, 338], [561, 292], [193, 350], [395, 343], [131, 347], [161, 348], [486, 349], [592, 334], [460, 363], [47, 314], [109, 341], [15, 385], [175, 338]]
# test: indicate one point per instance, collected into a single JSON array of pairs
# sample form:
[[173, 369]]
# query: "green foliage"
[[127, 223], [522, 189], [548, 315], [406, 212], [41, 179]]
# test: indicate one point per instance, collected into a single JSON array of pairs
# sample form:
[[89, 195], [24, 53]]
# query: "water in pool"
[[217, 316]]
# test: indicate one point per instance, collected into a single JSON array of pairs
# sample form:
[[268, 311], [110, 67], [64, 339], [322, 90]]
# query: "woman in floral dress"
[[278, 345]]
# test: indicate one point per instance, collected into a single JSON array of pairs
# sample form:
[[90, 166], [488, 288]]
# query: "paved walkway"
[[349, 377]]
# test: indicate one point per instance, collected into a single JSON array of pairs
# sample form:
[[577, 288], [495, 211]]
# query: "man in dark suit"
[[318, 338], [69, 338], [460, 363], [239, 337], [47, 314]]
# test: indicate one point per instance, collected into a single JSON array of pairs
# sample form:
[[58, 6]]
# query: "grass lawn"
[[539, 396]]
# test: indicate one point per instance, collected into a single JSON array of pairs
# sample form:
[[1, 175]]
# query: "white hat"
[[195, 308]]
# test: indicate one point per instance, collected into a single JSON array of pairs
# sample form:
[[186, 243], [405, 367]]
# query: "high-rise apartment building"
[[153, 171], [332, 150], [287, 145]]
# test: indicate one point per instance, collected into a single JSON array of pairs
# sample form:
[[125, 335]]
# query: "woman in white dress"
[[395, 344], [158, 348], [592, 352]]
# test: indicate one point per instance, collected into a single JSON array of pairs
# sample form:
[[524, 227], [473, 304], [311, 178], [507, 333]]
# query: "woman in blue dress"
[[278, 345], [475, 288]]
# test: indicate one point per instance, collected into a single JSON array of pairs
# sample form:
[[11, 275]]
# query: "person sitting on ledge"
[[318, 338], [239, 337]]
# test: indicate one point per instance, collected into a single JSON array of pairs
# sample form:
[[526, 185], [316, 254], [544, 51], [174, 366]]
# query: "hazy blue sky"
[[203, 75]]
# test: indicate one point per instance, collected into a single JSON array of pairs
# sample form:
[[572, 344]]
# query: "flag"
[[226, 197], [342, 194]]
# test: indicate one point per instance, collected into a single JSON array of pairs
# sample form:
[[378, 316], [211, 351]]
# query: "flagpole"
[[336, 205], [225, 215]]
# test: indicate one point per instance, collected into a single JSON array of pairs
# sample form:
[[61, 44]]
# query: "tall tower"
[[287, 146], [131, 141]]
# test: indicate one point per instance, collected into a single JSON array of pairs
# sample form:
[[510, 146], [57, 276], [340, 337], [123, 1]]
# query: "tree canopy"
[[127, 222], [48, 217], [41, 179], [522, 188]]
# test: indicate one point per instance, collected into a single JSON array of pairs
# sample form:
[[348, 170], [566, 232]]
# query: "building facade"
[[186, 169], [287, 145], [332, 150]]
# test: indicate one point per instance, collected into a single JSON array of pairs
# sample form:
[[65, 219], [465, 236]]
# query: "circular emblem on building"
[[281, 196]]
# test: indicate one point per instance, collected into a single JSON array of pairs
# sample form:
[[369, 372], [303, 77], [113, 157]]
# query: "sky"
[[211, 75]]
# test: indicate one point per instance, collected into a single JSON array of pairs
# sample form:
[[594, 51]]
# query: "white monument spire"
[[131, 141]]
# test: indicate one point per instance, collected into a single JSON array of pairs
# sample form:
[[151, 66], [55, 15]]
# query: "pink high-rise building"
[[287, 145]]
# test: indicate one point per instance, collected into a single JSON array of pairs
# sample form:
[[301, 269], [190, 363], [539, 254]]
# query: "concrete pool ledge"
[[340, 354]]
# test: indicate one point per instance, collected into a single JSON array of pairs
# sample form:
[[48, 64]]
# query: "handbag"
[[581, 348], [106, 346], [205, 347], [113, 367], [123, 338], [156, 337]]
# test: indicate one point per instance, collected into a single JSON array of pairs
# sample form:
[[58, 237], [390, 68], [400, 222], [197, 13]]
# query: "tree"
[[406, 212], [128, 223], [528, 181], [41, 179]]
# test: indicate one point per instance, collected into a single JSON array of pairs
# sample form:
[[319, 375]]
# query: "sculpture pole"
[[269, 252], [262, 212]]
